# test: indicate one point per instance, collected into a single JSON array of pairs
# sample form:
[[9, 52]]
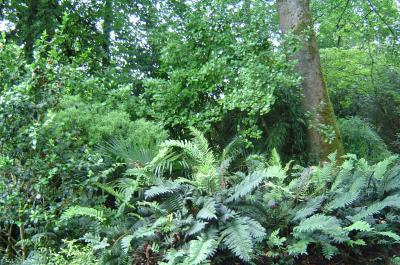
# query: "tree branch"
[[381, 17]]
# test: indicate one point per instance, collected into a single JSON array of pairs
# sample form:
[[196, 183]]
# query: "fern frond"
[[342, 200], [76, 211], [275, 159], [134, 156], [172, 202], [208, 211], [390, 201], [201, 249], [163, 188], [381, 168], [234, 149], [126, 243], [275, 240], [327, 224], [359, 226], [197, 227], [199, 140], [344, 174], [329, 250], [110, 189], [238, 239], [392, 180], [311, 206], [256, 230], [390, 234], [298, 248], [248, 184]]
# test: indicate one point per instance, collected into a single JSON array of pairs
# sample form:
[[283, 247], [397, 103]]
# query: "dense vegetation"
[[176, 132]]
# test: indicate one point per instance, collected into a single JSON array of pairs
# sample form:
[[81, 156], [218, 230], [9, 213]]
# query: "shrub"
[[360, 138]]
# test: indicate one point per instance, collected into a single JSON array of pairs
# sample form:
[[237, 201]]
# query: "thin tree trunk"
[[295, 17], [30, 34], [107, 28]]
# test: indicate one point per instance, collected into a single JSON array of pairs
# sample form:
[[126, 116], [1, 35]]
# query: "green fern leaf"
[[329, 250], [256, 230], [390, 234], [250, 182], [342, 200], [390, 201], [359, 226], [76, 211], [208, 211], [161, 189], [298, 248], [275, 240], [381, 168], [197, 227], [126, 243], [316, 222], [201, 249], [312, 206], [238, 239]]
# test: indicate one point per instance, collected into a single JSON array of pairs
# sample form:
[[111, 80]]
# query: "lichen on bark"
[[295, 18]]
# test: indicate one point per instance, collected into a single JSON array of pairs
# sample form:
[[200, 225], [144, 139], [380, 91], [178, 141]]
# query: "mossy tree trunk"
[[323, 134]]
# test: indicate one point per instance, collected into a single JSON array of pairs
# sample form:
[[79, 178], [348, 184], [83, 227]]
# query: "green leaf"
[[208, 211], [201, 249], [359, 226]]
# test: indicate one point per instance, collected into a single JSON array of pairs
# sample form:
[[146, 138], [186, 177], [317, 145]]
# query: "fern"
[[343, 174], [329, 250], [275, 241], [201, 249], [76, 211], [327, 225], [126, 243], [197, 227], [390, 234], [298, 248], [316, 222], [359, 226], [392, 180], [238, 239], [234, 149], [381, 168], [391, 201], [250, 182], [163, 188], [208, 211], [172, 202], [256, 230], [312, 206], [342, 200]]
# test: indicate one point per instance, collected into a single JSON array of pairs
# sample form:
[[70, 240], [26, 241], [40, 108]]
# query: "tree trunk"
[[323, 133], [107, 27], [29, 39]]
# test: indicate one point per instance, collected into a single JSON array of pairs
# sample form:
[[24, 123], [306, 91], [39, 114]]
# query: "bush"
[[360, 138], [71, 253]]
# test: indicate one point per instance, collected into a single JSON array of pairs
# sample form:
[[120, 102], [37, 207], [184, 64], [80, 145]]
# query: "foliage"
[[91, 90], [182, 208], [71, 253], [365, 83], [360, 138], [230, 82]]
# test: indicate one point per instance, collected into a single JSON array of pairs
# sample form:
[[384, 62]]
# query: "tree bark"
[[295, 17], [107, 28], [29, 39]]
